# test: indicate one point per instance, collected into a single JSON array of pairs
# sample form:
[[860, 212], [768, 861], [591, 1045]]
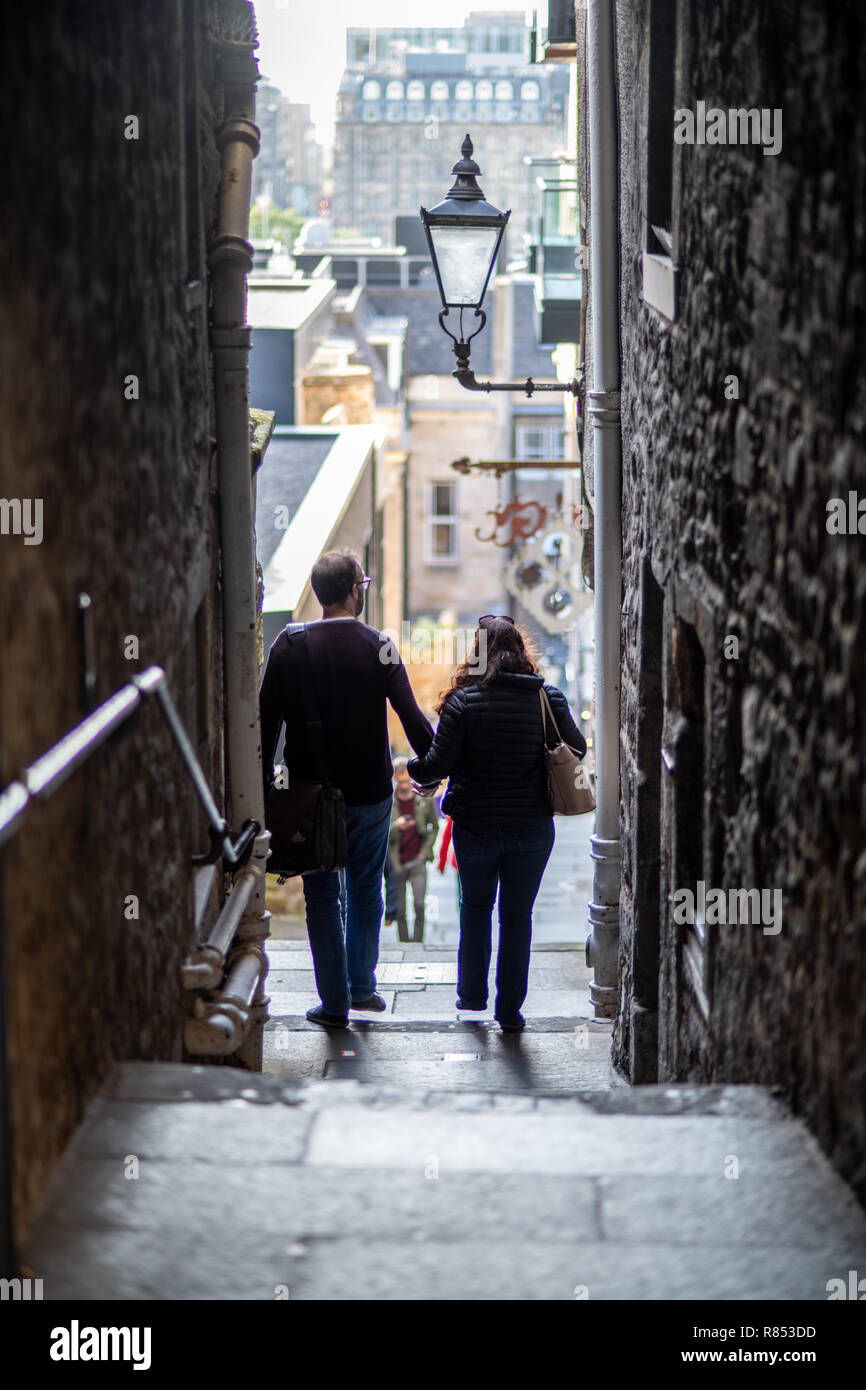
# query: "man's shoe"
[[512, 1025], [374, 1005], [471, 1008], [319, 1015]]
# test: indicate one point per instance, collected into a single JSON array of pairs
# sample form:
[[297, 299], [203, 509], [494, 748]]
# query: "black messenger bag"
[[307, 820]]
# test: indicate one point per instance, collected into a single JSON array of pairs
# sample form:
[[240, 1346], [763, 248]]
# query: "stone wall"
[[741, 419], [103, 244]]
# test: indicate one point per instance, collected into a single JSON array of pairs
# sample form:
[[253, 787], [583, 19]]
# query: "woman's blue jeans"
[[344, 912], [512, 860]]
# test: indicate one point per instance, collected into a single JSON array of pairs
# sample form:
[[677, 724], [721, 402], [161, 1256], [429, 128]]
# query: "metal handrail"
[[53, 768]]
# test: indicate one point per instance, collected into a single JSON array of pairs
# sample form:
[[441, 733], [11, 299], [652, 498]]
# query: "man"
[[356, 672], [414, 826]]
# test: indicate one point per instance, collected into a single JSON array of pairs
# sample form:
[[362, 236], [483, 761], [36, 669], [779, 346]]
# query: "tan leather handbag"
[[568, 788]]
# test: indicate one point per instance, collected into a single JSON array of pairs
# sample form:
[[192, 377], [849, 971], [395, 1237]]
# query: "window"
[[420, 273], [538, 442], [530, 91], [414, 91], [382, 272], [372, 91], [463, 91], [394, 91], [441, 524], [683, 755], [439, 91], [484, 91], [504, 91], [345, 273], [659, 274]]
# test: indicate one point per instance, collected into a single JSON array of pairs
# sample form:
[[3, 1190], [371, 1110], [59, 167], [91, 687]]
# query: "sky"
[[302, 45]]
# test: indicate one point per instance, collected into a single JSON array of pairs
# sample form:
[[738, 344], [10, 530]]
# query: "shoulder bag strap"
[[546, 709], [315, 731]]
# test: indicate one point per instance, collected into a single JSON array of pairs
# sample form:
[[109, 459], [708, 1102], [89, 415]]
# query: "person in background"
[[414, 826], [390, 890], [490, 743], [447, 855]]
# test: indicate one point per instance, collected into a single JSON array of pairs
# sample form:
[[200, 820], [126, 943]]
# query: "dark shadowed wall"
[[745, 765], [104, 245]]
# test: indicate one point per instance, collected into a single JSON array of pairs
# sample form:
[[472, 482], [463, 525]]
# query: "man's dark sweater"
[[355, 672]]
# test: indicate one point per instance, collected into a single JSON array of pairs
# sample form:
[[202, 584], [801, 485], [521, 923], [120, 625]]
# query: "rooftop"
[[313, 473], [285, 302]]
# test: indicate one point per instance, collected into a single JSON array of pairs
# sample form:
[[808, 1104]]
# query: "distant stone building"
[[407, 99], [744, 615], [289, 167]]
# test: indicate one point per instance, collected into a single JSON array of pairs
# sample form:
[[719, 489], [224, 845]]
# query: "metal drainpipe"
[[603, 410], [230, 259], [205, 968]]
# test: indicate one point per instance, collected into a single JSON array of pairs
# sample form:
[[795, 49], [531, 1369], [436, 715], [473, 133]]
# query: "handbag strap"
[[315, 731], [546, 710]]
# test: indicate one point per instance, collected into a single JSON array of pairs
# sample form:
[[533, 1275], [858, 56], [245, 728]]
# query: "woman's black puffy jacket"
[[490, 744]]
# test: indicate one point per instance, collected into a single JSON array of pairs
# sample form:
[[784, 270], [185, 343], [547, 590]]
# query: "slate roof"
[[428, 349], [290, 465], [527, 358]]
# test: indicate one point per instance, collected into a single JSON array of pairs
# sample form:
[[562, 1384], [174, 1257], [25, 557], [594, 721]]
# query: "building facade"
[[289, 168], [119, 447], [407, 99], [743, 753]]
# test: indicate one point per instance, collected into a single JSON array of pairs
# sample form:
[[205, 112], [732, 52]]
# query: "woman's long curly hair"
[[509, 648]]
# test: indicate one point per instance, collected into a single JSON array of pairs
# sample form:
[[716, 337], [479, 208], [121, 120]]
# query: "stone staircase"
[[418, 1156]]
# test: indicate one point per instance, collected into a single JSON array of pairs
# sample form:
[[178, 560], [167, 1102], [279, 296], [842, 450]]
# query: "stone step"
[[570, 1055], [247, 1184]]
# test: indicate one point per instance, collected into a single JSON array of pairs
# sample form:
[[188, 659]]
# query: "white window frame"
[[550, 445], [433, 519]]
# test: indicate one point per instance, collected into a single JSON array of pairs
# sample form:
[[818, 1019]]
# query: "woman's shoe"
[[512, 1025]]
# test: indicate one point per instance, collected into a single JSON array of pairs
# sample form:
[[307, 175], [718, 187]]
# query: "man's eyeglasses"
[[365, 582], [499, 617]]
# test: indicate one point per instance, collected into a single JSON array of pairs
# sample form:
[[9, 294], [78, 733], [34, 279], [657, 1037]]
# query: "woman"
[[490, 742]]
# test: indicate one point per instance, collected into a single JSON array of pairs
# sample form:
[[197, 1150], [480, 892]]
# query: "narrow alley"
[[432, 502]]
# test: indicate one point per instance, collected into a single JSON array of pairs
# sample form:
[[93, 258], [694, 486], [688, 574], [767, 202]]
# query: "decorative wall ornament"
[[520, 521]]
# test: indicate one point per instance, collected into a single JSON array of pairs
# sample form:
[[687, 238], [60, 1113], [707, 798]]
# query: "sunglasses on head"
[[498, 617]]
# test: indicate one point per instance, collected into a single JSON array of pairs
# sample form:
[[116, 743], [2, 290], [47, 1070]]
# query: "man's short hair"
[[400, 765], [333, 576]]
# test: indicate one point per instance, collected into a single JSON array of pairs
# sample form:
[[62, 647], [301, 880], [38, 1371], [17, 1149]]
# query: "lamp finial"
[[465, 184]]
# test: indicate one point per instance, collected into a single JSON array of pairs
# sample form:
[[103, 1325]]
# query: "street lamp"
[[464, 233]]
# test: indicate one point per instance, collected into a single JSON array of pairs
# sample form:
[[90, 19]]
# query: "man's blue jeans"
[[514, 861], [343, 926]]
